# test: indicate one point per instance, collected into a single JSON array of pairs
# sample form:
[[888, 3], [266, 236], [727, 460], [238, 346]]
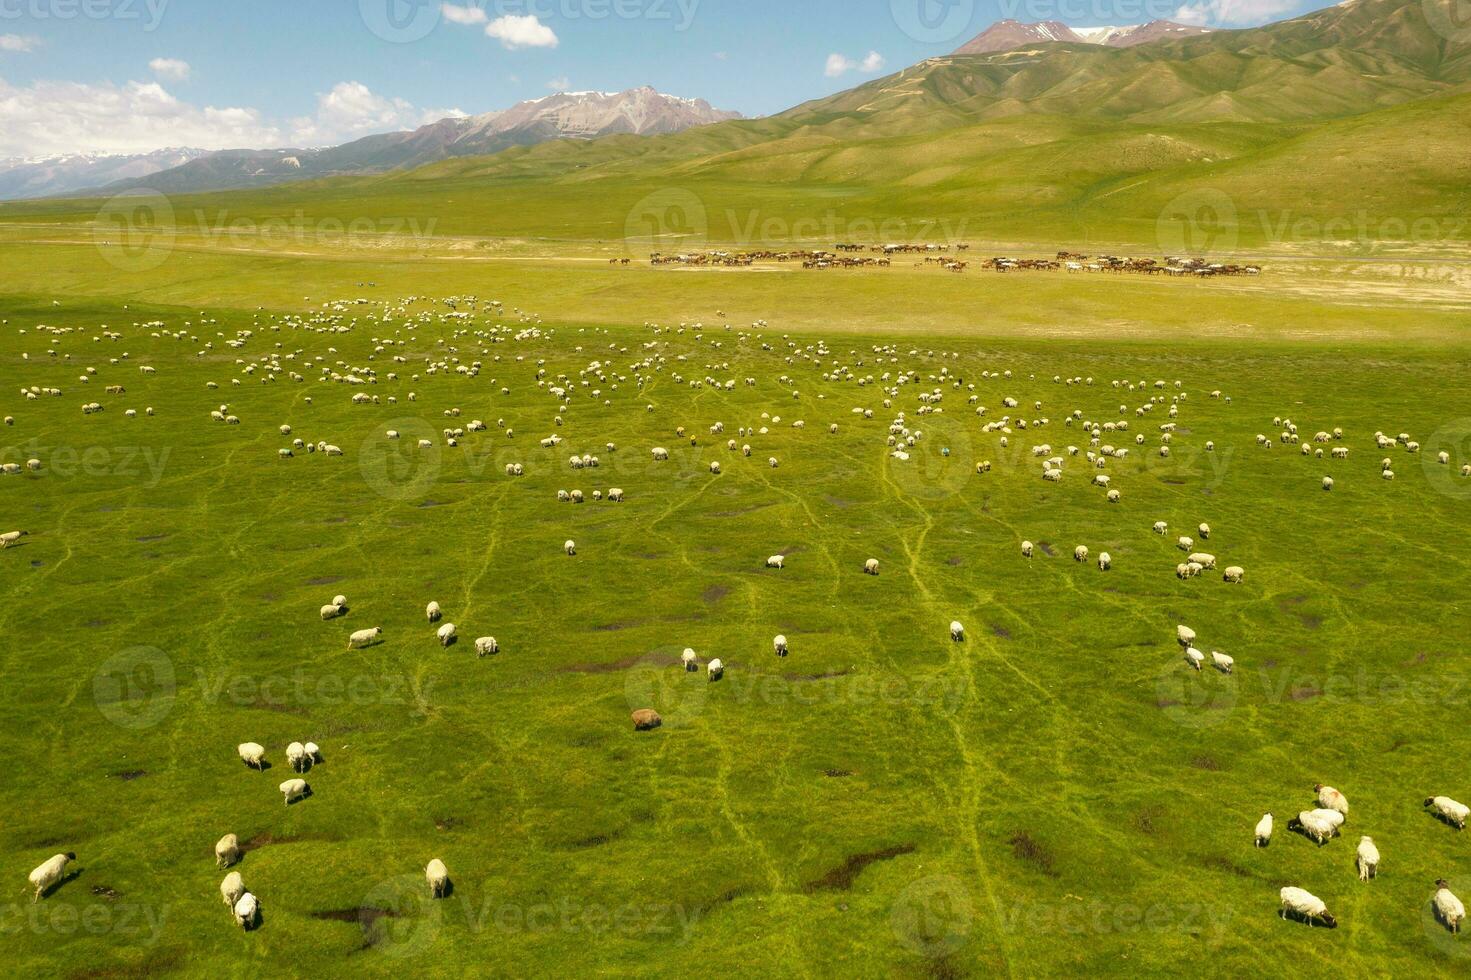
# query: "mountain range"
[[1009, 35], [22, 177]]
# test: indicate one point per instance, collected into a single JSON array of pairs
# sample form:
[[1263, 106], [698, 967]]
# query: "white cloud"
[[1233, 12], [435, 115], [463, 15], [21, 43], [350, 111], [521, 32], [170, 68], [840, 64], [561, 84]]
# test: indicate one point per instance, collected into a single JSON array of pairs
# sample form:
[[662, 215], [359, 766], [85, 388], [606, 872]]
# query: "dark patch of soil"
[[1031, 851], [1206, 762], [715, 593], [1046, 547], [837, 773], [1002, 632], [128, 775], [842, 877]]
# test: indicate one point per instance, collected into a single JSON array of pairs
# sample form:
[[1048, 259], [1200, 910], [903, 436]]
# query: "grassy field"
[[1057, 794]]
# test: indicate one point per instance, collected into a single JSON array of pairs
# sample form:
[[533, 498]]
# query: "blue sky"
[[130, 75]]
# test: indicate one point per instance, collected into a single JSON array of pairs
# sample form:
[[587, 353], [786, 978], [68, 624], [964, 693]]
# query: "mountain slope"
[[1009, 35], [70, 173]]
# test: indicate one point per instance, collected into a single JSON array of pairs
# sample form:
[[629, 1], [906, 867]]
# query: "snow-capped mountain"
[[50, 176], [1007, 35], [566, 115]]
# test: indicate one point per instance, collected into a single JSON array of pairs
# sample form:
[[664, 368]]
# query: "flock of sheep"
[[1100, 449]]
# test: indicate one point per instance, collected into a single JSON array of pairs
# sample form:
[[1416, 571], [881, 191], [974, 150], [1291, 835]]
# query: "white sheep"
[[340, 600], [1185, 544], [364, 638], [232, 888], [570, 547], [871, 567], [957, 631], [1296, 901], [1080, 553], [252, 754], [332, 611], [227, 851], [1264, 831], [615, 495], [1194, 657], [776, 561], [1105, 561], [1367, 859], [1184, 635], [247, 910], [1450, 908], [446, 634], [1026, 549], [780, 645], [1450, 811], [486, 646], [294, 789], [1225, 664], [716, 669], [50, 873], [438, 877], [1331, 799], [689, 661], [1327, 483], [433, 612], [1205, 531], [11, 537], [1160, 527], [1235, 574], [297, 758], [1202, 559], [1319, 825], [715, 468]]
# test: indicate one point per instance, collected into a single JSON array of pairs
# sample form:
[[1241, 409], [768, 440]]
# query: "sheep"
[[776, 561], [1331, 799], [247, 911], [11, 537], [1185, 544], [34, 465], [1160, 527], [871, 567], [715, 469], [1182, 571], [1184, 635], [438, 877], [446, 635], [313, 752], [227, 851], [296, 756], [1026, 549], [433, 612], [661, 455], [340, 600], [1448, 907], [1080, 553], [1205, 531], [716, 669], [486, 646], [232, 888], [1225, 664], [957, 632], [1202, 559], [1318, 825], [332, 611], [646, 719], [252, 754], [295, 789], [570, 547], [689, 660], [1235, 575], [1327, 483], [50, 873], [1307, 906], [1264, 831], [1105, 561], [1367, 859], [1114, 496], [615, 495], [780, 646], [1450, 811], [364, 638], [1194, 657]]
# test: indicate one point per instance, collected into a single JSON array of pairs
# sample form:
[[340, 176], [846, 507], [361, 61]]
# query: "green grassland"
[[1057, 794]]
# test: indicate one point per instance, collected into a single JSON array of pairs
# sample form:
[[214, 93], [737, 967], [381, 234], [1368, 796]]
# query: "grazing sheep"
[[364, 638], [646, 719], [1319, 825], [313, 752], [486, 646], [780, 646], [1367, 859], [1114, 496], [1194, 657], [50, 873], [294, 789], [570, 547], [1450, 811], [11, 537], [1185, 544], [446, 634], [433, 612], [1264, 831], [1026, 549], [776, 561], [296, 756], [1235, 575], [716, 669], [871, 567], [1327, 483], [1205, 531], [1447, 906], [340, 600], [232, 888], [438, 877], [1331, 799], [1184, 635], [247, 911], [689, 660], [1310, 907], [1080, 553], [1202, 559], [715, 469], [1160, 527], [615, 495], [252, 754], [227, 851], [957, 632], [333, 611], [1105, 561], [1224, 663], [661, 454]]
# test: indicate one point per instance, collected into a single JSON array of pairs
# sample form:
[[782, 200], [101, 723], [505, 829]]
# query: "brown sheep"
[[646, 719]]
